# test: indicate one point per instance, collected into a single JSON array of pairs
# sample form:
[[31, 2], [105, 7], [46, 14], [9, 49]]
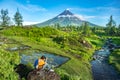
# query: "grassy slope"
[[114, 58], [74, 67], [116, 40]]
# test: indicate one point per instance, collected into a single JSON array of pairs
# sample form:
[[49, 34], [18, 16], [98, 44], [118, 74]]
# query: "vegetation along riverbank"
[[78, 43]]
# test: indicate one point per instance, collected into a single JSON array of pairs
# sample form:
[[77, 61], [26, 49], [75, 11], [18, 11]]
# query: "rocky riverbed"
[[100, 68]]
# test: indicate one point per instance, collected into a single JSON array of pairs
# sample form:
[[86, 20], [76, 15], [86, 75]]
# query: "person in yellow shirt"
[[41, 62]]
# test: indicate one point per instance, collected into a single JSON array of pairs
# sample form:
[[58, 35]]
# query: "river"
[[100, 68]]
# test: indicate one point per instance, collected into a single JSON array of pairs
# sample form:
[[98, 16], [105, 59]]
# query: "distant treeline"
[[111, 28]]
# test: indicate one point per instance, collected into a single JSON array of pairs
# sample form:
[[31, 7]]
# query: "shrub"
[[7, 63]]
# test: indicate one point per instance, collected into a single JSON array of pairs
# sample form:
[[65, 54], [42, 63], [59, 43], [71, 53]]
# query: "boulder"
[[22, 71], [43, 75]]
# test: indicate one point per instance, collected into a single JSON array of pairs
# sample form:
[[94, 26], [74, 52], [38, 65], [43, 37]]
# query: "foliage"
[[116, 40], [115, 59], [5, 18], [86, 29], [96, 41], [7, 63], [64, 41], [75, 42], [110, 30], [31, 31], [18, 18], [111, 26]]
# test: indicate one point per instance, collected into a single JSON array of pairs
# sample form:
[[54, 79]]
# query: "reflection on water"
[[54, 60]]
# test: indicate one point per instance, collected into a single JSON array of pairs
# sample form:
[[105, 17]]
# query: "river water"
[[100, 68]]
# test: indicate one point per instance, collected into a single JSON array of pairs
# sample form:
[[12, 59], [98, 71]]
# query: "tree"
[[93, 29], [118, 30], [18, 18], [57, 26], [110, 30], [86, 28], [5, 19], [119, 27]]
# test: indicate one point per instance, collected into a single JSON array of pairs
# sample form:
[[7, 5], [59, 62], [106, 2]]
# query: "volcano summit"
[[65, 18]]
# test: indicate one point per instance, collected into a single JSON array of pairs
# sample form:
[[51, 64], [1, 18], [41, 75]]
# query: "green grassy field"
[[73, 44]]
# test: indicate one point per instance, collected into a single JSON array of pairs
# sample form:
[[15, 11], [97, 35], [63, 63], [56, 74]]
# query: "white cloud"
[[89, 17], [81, 17], [29, 23], [85, 17]]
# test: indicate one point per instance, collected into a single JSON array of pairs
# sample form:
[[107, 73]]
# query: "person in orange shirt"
[[41, 63]]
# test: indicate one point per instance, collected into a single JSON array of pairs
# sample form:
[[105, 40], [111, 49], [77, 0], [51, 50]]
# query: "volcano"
[[64, 19]]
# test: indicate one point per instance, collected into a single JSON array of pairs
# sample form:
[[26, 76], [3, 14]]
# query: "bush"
[[31, 31], [7, 63]]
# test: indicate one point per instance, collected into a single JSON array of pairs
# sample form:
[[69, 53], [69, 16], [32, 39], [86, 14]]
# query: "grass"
[[115, 55], [96, 41], [78, 67], [114, 59], [116, 40]]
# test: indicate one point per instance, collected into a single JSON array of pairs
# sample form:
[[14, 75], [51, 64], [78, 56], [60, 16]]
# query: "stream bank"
[[100, 68]]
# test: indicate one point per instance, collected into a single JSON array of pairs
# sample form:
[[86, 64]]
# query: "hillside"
[[71, 44]]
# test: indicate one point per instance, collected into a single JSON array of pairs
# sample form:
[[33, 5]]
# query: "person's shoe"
[[51, 70]]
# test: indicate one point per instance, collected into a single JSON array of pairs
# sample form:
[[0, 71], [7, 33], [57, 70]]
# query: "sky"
[[37, 11]]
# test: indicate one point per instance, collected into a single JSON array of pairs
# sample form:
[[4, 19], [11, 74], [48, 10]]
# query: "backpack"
[[35, 63]]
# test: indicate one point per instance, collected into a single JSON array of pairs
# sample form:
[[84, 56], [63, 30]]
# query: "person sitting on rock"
[[41, 63]]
